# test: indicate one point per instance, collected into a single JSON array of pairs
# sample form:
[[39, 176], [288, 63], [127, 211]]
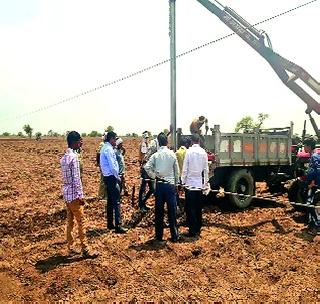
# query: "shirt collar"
[[195, 145], [163, 147]]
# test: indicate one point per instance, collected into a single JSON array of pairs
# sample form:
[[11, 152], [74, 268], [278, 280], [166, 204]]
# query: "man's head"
[[111, 138], [74, 140], [195, 138], [145, 135], [202, 119], [119, 142], [309, 144], [162, 139], [185, 141]]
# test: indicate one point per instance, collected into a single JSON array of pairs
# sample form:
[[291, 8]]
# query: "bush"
[[94, 134]]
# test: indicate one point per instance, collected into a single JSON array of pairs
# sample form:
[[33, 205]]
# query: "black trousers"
[[166, 193], [145, 180], [113, 201], [193, 208]]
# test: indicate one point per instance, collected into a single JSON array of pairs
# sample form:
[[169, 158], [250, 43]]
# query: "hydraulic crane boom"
[[287, 71]]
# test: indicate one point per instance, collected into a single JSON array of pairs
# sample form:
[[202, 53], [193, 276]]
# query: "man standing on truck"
[[197, 123], [195, 178], [195, 128], [313, 181]]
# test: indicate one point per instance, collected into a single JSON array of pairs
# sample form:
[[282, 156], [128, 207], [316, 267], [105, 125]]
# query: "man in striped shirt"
[[73, 191]]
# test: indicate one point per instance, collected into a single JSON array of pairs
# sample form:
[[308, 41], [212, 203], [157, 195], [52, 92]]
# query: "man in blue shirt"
[[110, 171]]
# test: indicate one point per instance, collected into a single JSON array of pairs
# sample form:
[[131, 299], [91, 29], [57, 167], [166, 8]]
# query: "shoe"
[[156, 242], [89, 255], [176, 240], [120, 229], [111, 226], [191, 234], [144, 209], [72, 252], [313, 231]]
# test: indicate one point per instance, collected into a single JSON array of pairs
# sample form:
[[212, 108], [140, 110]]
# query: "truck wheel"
[[241, 182], [296, 194]]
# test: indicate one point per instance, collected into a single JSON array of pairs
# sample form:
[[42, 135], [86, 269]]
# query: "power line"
[[151, 67]]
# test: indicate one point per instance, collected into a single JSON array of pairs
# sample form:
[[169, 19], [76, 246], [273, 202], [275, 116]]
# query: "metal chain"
[[151, 67]]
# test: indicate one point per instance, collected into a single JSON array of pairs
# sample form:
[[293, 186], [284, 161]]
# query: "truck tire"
[[242, 182]]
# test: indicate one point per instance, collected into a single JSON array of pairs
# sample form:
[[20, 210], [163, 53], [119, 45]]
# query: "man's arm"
[[176, 171], [205, 170], [185, 168], [112, 160], [75, 172], [150, 167]]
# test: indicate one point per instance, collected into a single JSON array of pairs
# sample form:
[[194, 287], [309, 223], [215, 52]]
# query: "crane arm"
[[286, 70]]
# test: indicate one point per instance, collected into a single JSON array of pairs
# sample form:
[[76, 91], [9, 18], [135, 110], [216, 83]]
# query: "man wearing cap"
[[143, 146], [110, 170], [120, 151], [146, 151]]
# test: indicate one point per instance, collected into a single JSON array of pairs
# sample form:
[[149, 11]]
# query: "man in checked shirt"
[[73, 192]]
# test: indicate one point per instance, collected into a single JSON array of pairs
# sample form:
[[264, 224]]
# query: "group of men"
[[112, 169], [165, 171], [161, 169]]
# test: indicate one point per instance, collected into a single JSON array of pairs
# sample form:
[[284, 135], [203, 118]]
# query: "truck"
[[239, 160], [264, 155]]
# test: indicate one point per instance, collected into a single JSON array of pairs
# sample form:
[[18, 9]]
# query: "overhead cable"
[[151, 67]]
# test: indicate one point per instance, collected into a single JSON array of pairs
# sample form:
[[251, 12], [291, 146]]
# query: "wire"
[[151, 67]]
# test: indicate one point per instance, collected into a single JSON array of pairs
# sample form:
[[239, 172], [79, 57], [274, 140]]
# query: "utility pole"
[[172, 34]]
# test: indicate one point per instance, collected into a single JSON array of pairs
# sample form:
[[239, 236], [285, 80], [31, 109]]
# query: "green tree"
[[27, 128], [247, 124], [83, 134], [5, 134], [38, 135], [20, 134], [94, 134]]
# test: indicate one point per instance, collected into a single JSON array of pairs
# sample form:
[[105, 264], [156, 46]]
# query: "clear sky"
[[52, 50]]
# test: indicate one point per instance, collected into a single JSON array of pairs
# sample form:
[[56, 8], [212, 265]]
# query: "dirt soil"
[[262, 254]]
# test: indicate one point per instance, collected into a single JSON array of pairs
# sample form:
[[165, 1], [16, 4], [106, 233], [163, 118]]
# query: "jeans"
[[113, 201], [165, 193], [193, 208], [144, 182]]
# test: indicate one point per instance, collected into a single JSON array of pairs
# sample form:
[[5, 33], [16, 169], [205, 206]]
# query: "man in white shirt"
[[163, 167], [195, 178]]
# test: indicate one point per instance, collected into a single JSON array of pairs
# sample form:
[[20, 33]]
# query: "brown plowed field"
[[261, 254]]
